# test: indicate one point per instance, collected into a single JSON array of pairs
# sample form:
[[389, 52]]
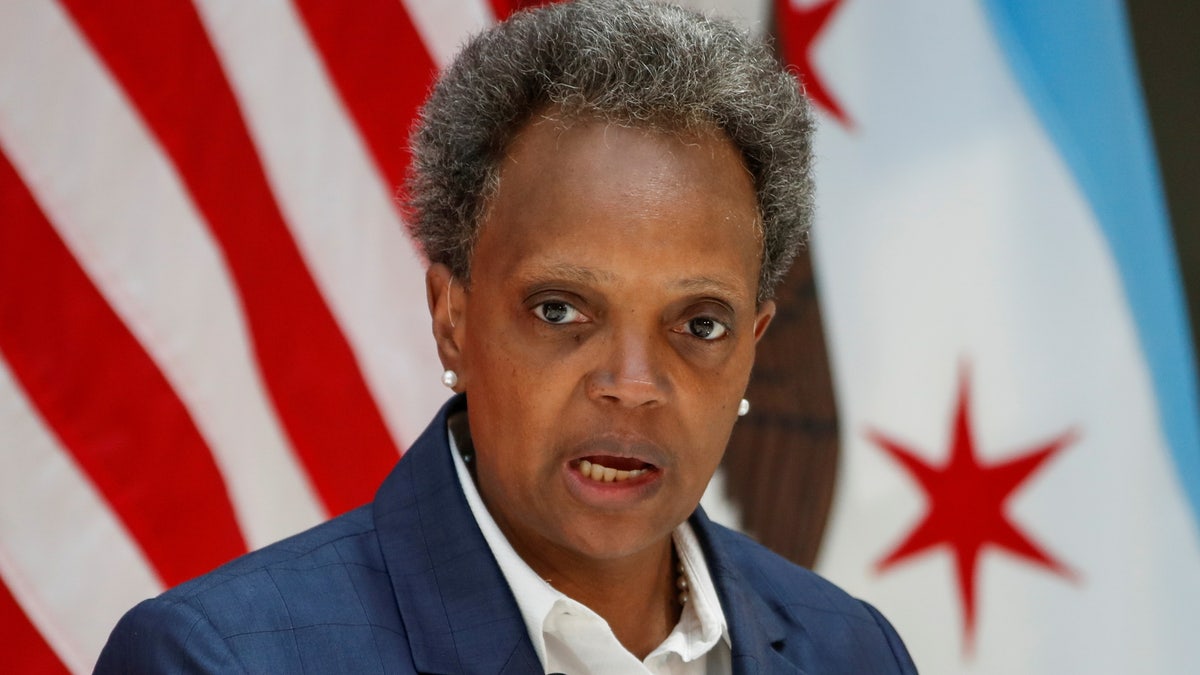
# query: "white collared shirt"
[[571, 638]]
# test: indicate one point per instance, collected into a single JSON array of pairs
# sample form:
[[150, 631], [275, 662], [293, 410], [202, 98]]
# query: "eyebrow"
[[572, 273], [709, 285], [588, 276]]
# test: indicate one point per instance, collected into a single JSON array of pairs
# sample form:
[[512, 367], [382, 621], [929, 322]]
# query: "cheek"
[[720, 377], [495, 361], [514, 392], [515, 346], [712, 397]]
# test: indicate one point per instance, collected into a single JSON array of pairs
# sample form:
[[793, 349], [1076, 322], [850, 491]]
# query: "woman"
[[607, 193]]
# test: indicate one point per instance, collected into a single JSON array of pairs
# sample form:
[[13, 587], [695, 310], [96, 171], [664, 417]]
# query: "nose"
[[629, 372]]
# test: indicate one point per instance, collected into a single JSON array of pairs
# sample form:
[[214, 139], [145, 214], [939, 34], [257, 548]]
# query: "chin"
[[612, 537]]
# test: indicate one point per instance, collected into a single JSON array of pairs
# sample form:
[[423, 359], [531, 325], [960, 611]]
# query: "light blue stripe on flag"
[[1074, 60]]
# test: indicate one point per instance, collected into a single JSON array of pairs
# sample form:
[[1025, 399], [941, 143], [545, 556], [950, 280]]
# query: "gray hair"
[[630, 62]]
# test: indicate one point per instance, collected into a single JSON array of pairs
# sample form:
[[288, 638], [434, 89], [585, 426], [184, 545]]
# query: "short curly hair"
[[631, 62]]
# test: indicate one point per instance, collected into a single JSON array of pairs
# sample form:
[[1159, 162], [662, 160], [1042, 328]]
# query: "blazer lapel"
[[758, 635], [458, 612]]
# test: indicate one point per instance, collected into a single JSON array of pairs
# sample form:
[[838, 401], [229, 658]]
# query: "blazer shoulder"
[[348, 539], [163, 636], [270, 609]]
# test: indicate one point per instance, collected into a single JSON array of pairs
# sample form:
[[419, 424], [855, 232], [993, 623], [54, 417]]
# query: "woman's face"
[[611, 322]]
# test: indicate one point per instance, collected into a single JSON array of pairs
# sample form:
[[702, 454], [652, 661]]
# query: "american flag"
[[212, 323]]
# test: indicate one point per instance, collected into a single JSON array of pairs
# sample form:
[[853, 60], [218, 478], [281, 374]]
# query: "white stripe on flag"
[[752, 15], [69, 561], [444, 25], [951, 233], [338, 207], [141, 241]]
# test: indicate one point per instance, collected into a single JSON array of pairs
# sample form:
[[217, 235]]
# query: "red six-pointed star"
[[966, 501], [799, 28]]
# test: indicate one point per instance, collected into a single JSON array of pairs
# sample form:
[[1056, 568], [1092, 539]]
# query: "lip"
[[616, 495], [627, 446]]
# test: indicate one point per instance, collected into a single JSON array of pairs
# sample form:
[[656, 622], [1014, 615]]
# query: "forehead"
[[592, 191], [598, 152]]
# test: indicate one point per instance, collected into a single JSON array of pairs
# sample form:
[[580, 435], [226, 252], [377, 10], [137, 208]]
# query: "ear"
[[447, 300], [766, 312]]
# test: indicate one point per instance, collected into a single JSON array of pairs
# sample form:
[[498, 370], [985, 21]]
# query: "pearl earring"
[[743, 408], [450, 379]]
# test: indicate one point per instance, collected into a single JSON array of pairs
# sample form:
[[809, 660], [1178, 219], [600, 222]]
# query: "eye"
[[706, 328], [557, 312]]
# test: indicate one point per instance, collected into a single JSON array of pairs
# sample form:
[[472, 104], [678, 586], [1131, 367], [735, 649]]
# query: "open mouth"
[[602, 469]]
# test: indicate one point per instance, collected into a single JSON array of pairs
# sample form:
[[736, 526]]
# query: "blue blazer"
[[407, 584]]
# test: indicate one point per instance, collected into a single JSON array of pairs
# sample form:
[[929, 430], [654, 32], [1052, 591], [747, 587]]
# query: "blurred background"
[[976, 409]]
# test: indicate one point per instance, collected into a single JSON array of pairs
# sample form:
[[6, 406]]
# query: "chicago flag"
[[1020, 478]]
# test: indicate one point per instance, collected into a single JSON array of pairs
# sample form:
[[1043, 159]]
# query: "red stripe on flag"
[[104, 398], [380, 66], [27, 651], [160, 53]]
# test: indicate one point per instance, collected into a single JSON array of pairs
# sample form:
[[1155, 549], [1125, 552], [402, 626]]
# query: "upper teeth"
[[606, 474]]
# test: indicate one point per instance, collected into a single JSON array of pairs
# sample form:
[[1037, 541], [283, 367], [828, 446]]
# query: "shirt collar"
[[700, 626], [702, 622]]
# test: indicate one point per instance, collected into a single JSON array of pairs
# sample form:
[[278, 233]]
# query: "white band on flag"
[[446, 24]]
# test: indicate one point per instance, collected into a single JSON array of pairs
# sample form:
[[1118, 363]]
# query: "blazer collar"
[[458, 612]]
